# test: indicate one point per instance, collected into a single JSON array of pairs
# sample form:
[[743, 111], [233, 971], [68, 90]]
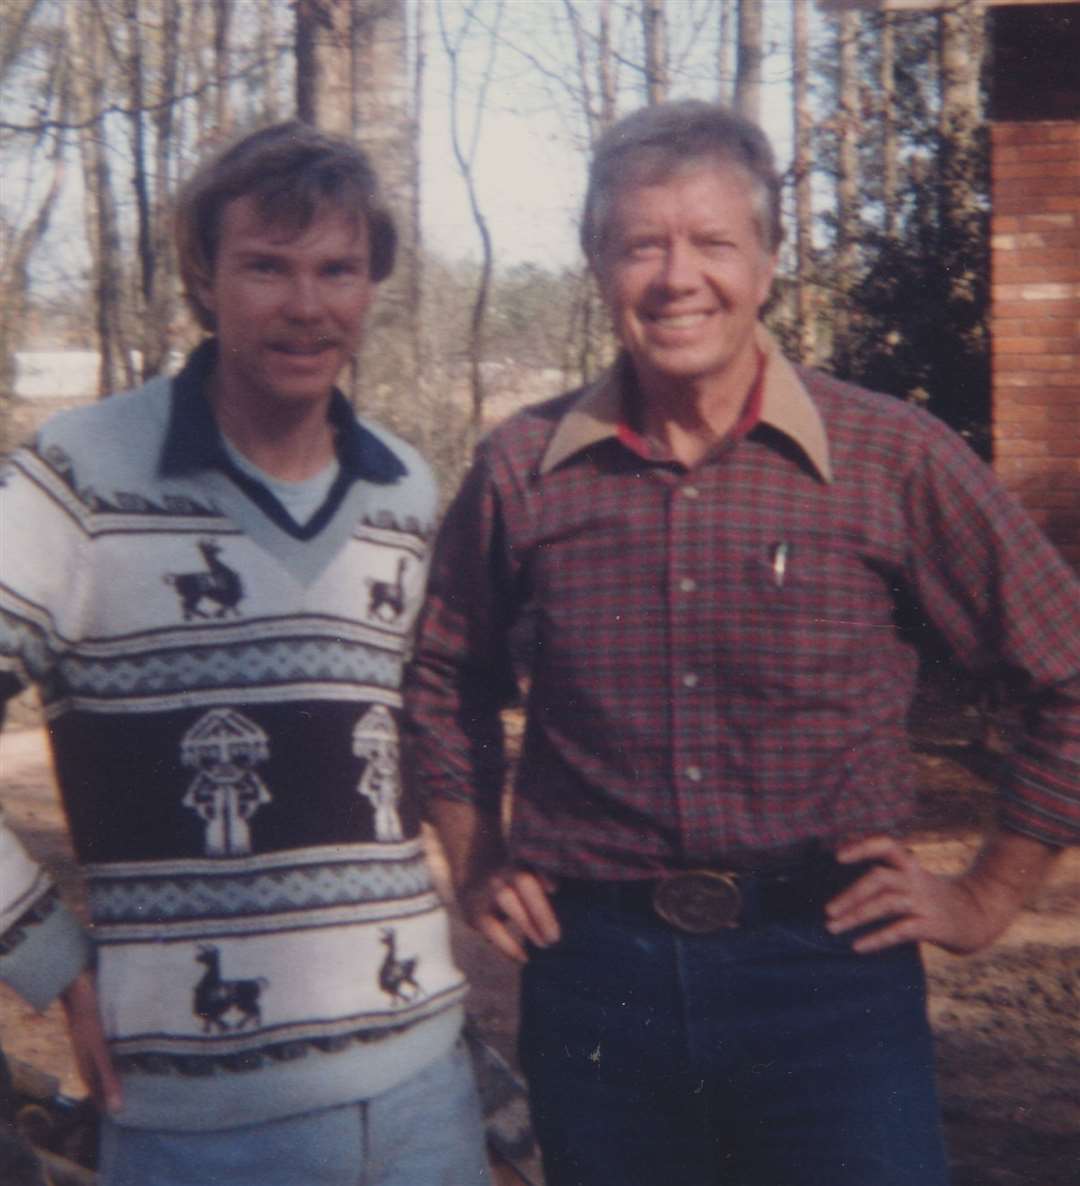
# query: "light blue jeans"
[[426, 1132]]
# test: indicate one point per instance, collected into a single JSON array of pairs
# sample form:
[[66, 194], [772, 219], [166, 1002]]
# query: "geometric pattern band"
[[176, 898], [238, 665]]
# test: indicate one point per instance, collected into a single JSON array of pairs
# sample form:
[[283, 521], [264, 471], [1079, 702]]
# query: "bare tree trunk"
[[654, 29], [465, 156], [269, 97], [140, 183], [847, 188], [19, 15], [309, 15], [87, 28], [889, 150], [198, 66], [325, 31], [581, 49], [804, 215], [416, 235], [960, 26], [593, 51], [223, 10], [597, 92], [751, 56], [385, 119], [963, 244], [725, 51], [605, 66], [161, 300]]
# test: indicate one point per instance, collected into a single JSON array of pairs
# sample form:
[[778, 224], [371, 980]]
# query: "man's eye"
[[342, 269], [643, 248], [264, 267]]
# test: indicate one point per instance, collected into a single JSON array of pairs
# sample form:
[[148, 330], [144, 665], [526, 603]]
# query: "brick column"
[[1035, 321]]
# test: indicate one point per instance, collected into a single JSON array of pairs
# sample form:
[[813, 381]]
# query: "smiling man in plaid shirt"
[[722, 566]]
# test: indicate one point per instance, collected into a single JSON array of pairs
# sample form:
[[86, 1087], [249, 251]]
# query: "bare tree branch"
[[465, 158]]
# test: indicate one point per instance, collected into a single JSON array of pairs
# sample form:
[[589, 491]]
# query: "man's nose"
[[303, 301], [679, 272]]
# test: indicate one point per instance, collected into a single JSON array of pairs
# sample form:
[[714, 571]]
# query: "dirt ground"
[[1007, 1021]]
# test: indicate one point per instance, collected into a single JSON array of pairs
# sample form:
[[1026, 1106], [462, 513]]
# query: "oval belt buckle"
[[699, 901]]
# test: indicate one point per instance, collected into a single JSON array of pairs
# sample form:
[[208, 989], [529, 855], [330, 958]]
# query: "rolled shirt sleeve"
[[462, 673], [1009, 606]]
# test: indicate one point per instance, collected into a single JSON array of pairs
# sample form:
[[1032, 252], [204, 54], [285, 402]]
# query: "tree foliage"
[[911, 273]]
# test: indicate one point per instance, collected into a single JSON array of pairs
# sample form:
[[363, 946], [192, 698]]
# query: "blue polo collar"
[[193, 440]]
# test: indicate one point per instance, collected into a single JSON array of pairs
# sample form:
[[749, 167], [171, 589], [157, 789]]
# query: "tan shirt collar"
[[786, 406]]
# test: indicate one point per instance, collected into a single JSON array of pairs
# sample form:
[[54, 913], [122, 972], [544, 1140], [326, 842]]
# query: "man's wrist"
[[1007, 873]]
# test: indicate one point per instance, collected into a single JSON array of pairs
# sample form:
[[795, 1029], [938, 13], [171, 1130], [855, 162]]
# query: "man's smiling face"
[[289, 306], [684, 271]]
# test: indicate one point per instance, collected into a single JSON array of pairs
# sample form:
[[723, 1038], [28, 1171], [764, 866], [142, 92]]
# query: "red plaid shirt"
[[722, 659]]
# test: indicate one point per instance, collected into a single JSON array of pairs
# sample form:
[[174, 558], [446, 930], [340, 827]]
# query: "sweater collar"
[[786, 406], [193, 440]]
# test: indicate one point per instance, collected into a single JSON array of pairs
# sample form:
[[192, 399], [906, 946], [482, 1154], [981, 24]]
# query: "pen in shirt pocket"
[[781, 559]]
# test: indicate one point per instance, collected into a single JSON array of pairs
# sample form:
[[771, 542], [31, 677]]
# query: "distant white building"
[[56, 374], [64, 374]]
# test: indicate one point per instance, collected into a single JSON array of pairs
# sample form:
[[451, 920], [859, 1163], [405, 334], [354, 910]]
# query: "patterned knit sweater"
[[222, 695]]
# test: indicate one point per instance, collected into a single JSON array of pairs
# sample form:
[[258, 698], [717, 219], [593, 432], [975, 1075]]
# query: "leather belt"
[[706, 901]]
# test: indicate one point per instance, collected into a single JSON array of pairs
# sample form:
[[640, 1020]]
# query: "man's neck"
[[288, 441], [689, 418]]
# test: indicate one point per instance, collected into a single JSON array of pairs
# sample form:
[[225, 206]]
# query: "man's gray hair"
[[655, 143]]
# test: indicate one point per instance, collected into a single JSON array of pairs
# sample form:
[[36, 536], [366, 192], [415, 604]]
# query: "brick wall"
[[1035, 321]]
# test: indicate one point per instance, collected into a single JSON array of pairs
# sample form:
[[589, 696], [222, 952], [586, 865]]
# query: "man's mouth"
[[679, 320], [303, 349]]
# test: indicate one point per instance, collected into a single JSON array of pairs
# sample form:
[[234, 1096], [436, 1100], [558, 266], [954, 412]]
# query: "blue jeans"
[[764, 1056], [426, 1132]]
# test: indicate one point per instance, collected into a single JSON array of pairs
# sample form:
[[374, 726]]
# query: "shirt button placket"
[[687, 607]]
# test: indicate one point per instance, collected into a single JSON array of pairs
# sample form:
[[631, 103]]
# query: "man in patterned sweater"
[[213, 582]]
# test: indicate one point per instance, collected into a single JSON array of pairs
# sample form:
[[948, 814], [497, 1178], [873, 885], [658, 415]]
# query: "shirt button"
[[690, 679], [687, 585], [694, 773], [691, 492]]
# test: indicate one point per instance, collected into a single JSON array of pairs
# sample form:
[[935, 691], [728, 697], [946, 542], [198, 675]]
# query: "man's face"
[[289, 306], [684, 272]]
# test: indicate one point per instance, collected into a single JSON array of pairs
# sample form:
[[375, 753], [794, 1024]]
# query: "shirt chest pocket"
[[802, 607]]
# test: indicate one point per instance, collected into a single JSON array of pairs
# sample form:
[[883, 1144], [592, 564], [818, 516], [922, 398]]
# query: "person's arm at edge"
[[53, 960], [1036, 598], [460, 677]]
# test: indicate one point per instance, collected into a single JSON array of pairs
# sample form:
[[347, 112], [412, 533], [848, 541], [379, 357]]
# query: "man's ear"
[[599, 272], [768, 277], [203, 288]]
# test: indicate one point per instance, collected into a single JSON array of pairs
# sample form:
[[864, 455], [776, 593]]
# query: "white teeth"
[[681, 321]]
